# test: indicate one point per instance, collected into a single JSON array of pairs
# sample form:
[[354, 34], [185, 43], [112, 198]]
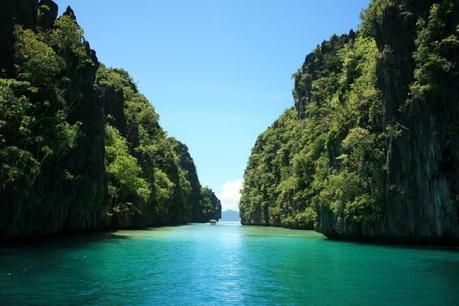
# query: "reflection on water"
[[224, 264]]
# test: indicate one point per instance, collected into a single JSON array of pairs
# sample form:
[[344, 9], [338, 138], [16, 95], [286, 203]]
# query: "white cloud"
[[230, 194]]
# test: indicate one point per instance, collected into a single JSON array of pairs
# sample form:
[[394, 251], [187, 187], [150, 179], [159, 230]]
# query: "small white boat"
[[213, 221]]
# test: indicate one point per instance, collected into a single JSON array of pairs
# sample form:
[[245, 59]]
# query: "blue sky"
[[217, 72]]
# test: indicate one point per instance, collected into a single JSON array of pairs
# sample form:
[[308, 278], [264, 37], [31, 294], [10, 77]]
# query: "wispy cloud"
[[230, 194]]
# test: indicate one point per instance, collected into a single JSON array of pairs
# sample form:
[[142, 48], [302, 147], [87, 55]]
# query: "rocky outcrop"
[[13, 12], [186, 162], [423, 159], [46, 14], [374, 151], [67, 192], [81, 148], [113, 104], [422, 196], [210, 205]]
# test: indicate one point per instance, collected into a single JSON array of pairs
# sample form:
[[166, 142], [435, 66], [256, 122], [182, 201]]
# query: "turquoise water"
[[224, 264]]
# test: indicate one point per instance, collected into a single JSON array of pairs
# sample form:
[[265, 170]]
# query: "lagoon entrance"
[[224, 264]]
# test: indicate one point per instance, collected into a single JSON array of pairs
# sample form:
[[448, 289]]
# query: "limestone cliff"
[[421, 101], [80, 147], [371, 149]]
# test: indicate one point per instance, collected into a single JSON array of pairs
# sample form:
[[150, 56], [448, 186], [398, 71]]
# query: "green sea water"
[[203, 264]]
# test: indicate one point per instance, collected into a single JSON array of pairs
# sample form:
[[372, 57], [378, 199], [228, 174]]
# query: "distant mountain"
[[230, 215]]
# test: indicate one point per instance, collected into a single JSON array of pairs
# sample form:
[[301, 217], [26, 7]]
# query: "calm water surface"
[[224, 264]]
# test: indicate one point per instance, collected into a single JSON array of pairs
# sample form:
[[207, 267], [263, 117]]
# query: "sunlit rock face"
[[421, 202], [390, 170]]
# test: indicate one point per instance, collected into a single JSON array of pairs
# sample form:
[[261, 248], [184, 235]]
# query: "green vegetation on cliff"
[[314, 152], [370, 149], [151, 177], [80, 147]]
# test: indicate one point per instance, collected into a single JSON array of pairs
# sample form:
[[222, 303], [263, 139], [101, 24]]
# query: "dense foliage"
[[80, 147], [328, 148], [371, 147], [150, 176]]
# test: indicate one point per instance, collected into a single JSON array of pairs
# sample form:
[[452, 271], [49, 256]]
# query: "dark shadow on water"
[[446, 246], [76, 237], [288, 236], [67, 240], [398, 245]]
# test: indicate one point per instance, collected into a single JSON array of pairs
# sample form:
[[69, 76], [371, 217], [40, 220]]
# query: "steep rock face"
[[46, 14], [262, 201], [152, 179], [13, 12], [113, 104], [186, 163], [290, 160], [80, 147], [87, 160], [376, 154], [210, 205], [423, 159], [66, 192], [420, 103]]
